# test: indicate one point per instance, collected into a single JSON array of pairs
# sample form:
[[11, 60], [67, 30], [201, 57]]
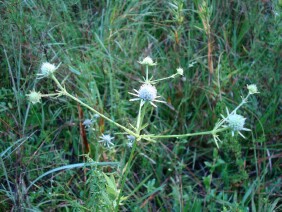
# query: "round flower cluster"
[[236, 123], [180, 71], [146, 93], [34, 97], [252, 89], [46, 70], [147, 61]]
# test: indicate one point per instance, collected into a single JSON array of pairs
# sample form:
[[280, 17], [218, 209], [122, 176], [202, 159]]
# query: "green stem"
[[211, 132], [244, 101], [147, 73], [124, 176], [139, 118], [165, 78], [128, 164], [64, 92], [52, 94]]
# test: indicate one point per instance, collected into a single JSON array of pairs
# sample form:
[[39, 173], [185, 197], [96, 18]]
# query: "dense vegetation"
[[222, 46]]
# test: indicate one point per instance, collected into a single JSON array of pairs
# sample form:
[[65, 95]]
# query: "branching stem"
[[63, 91]]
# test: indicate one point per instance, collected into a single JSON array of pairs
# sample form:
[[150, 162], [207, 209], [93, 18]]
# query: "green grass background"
[[99, 44]]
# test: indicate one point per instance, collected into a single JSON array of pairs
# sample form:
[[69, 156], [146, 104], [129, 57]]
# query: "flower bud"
[[252, 89], [147, 61], [46, 70], [180, 71]]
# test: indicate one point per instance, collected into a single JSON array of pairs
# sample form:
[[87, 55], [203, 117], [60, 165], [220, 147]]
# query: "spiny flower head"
[[87, 123], [146, 93], [252, 89], [236, 123], [46, 70], [147, 61], [34, 97], [107, 140]]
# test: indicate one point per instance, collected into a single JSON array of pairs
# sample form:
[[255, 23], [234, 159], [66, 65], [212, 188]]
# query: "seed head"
[[147, 61], [34, 97]]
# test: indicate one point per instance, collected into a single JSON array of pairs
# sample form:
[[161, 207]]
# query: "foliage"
[[222, 46]]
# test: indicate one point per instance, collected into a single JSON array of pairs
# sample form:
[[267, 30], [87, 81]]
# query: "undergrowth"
[[50, 160]]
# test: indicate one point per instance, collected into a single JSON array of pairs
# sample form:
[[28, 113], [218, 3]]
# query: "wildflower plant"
[[146, 95]]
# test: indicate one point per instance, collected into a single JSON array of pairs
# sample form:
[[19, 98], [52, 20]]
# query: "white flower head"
[[147, 61], [46, 70], [34, 97], [252, 89], [107, 140], [87, 123], [146, 93], [180, 71], [236, 123], [129, 144], [131, 140]]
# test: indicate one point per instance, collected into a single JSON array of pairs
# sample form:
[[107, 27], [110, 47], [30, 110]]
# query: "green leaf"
[[73, 70]]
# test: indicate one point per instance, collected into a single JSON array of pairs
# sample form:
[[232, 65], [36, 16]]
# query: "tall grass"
[[99, 43]]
